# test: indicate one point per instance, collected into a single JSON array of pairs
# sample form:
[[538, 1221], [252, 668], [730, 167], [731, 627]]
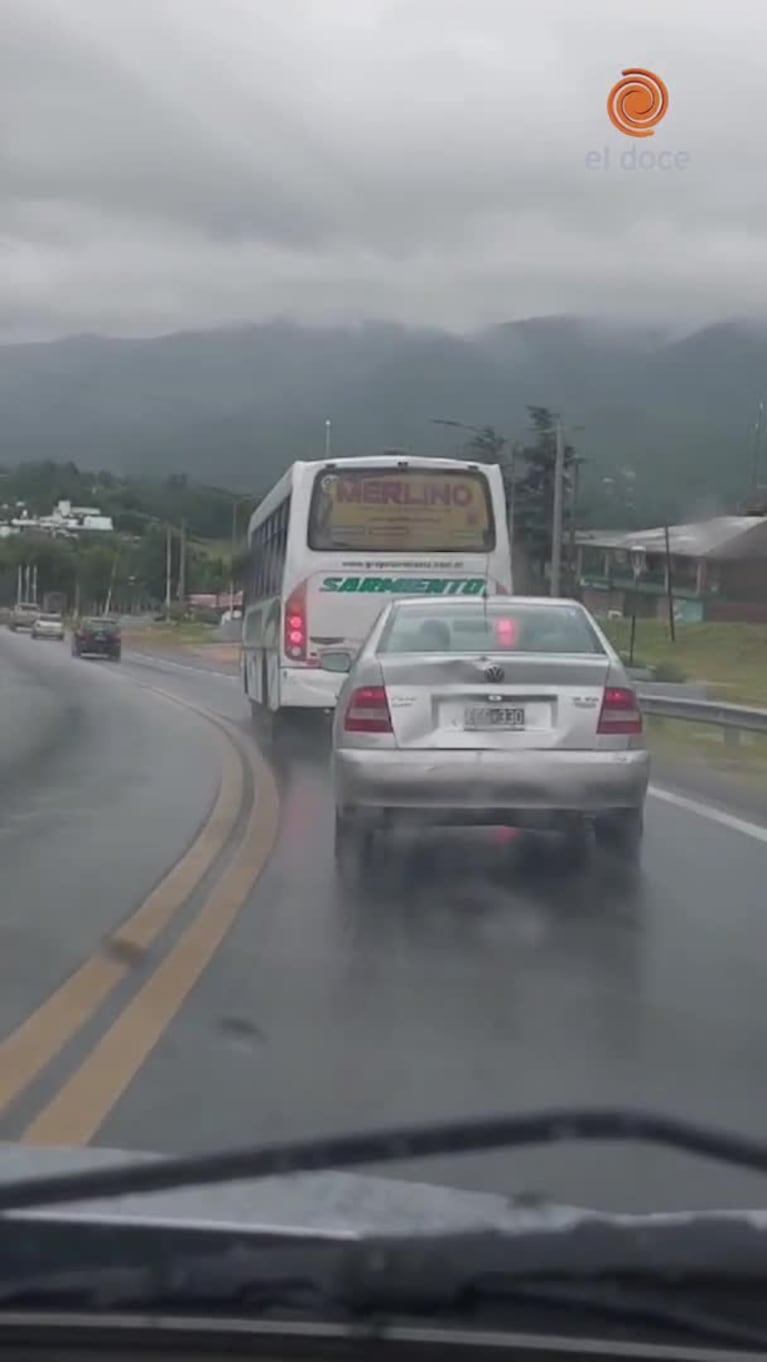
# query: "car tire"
[[621, 833]]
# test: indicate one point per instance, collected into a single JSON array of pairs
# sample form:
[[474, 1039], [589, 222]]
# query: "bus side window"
[[268, 551], [258, 563]]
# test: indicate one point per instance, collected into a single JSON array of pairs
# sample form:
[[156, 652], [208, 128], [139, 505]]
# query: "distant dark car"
[[97, 637]]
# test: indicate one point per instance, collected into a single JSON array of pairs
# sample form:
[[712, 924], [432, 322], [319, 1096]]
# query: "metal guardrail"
[[733, 718]]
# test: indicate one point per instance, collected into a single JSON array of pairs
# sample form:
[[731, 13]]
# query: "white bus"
[[334, 540]]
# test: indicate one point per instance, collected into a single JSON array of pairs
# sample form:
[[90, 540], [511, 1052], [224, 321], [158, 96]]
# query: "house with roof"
[[718, 569]]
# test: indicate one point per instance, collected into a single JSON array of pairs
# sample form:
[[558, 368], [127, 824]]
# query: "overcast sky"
[[184, 163]]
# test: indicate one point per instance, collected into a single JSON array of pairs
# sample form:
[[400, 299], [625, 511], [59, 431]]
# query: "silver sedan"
[[508, 711], [48, 625]]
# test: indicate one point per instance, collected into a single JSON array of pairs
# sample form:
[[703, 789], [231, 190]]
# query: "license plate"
[[494, 717]]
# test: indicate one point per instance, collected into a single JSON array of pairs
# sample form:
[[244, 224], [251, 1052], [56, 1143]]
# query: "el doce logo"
[[636, 104]]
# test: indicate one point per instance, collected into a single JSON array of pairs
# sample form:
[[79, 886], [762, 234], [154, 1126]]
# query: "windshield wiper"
[[388, 1146]]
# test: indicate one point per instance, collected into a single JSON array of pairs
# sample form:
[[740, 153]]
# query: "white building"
[[65, 519]]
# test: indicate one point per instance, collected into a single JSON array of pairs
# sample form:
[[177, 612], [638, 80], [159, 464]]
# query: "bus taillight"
[[294, 625]]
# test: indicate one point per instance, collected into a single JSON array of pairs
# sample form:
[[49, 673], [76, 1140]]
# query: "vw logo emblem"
[[494, 673]]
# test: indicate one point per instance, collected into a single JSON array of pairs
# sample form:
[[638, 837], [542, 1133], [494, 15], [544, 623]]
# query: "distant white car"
[[23, 617], [48, 625]]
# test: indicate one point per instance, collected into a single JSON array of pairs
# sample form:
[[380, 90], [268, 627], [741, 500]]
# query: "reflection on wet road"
[[476, 976]]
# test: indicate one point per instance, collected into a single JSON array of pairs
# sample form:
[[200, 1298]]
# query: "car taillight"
[[368, 711], [294, 626], [620, 711]]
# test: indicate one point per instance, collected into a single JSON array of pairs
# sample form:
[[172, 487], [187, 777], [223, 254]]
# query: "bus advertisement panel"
[[402, 511]]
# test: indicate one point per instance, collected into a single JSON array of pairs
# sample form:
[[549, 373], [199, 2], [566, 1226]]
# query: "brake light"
[[620, 711], [294, 625], [506, 632], [368, 711]]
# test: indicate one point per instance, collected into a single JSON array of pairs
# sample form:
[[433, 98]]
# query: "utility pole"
[[182, 565], [112, 580], [327, 439], [515, 451], [669, 587], [556, 527], [573, 551], [168, 568]]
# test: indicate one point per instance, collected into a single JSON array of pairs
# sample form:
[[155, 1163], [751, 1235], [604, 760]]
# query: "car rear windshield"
[[475, 629], [50, 619], [413, 510], [100, 626]]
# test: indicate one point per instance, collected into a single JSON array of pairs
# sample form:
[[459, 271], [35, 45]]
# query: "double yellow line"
[[82, 1103]]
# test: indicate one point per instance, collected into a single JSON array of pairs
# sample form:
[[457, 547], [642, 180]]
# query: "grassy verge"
[[704, 745], [732, 658], [181, 635], [215, 548]]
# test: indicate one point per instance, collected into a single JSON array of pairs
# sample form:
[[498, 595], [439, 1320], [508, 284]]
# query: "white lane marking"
[[164, 664], [726, 820]]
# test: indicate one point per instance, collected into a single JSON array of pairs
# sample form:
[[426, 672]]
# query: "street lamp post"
[[756, 450]]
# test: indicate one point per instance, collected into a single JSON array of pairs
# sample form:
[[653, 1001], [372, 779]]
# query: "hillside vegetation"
[[237, 406]]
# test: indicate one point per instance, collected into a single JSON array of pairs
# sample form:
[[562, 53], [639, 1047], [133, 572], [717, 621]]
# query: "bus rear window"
[[406, 510]]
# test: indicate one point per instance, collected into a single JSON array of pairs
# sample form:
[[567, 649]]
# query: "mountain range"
[[235, 406]]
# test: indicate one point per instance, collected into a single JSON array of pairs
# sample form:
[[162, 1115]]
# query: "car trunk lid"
[[495, 702]]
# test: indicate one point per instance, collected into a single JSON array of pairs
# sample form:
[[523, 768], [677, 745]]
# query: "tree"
[[54, 560], [130, 501], [97, 571], [534, 488], [487, 446]]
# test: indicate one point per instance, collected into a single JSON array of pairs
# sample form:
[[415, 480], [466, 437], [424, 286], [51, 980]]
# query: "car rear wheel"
[[621, 832]]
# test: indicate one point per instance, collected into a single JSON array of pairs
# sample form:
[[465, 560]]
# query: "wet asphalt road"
[[483, 980]]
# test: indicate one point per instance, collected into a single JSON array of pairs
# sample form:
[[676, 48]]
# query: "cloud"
[[175, 163]]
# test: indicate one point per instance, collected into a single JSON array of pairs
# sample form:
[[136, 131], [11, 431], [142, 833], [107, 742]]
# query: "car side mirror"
[[339, 660]]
